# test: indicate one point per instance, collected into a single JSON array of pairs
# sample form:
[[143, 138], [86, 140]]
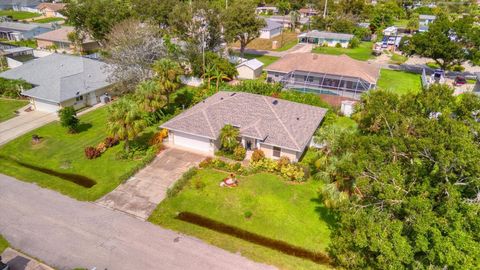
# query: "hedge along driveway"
[[61, 155]]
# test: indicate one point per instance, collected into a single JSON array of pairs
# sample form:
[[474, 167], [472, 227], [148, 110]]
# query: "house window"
[[277, 151], [79, 98]]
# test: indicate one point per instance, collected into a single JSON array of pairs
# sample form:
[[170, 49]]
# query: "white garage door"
[[192, 142], [46, 106]]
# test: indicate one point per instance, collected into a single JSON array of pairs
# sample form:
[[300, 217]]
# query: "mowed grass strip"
[[64, 153], [9, 106], [400, 82], [262, 204], [19, 15], [363, 52]]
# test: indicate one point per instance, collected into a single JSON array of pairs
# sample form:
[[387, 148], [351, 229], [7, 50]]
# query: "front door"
[[249, 144]]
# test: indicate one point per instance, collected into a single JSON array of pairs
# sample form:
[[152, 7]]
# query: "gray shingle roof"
[[23, 27], [252, 63], [271, 25], [60, 77], [327, 35], [275, 121]]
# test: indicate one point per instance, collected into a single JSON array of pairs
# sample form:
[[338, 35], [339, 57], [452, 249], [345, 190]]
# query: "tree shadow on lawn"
[[325, 214], [71, 177], [83, 127]]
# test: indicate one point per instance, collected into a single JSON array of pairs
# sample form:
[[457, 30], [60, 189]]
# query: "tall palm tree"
[[208, 74], [125, 120], [149, 96], [167, 74], [219, 76]]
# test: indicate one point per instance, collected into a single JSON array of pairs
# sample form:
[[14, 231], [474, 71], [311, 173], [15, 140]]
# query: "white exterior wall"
[[274, 76], [45, 106], [245, 72], [292, 155], [268, 34], [193, 142]]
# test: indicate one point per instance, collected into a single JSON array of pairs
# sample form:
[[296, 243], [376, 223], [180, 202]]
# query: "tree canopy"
[[410, 174]]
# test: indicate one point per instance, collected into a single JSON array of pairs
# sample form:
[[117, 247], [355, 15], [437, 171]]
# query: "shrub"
[[256, 87], [158, 138], [110, 142], [218, 163], [12, 88], [283, 161], [239, 153], [265, 164], [207, 162], [248, 214], [101, 147], [182, 182], [458, 68], [258, 155], [354, 43], [91, 152], [228, 137], [338, 45], [68, 118], [293, 172], [199, 184]]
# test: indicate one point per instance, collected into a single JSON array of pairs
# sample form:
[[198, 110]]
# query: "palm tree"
[[167, 74], [219, 76], [208, 74], [149, 96], [228, 137], [125, 120]]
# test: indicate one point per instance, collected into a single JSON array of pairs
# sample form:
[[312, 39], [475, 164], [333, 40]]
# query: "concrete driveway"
[[145, 190], [23, 123], [65, 234]]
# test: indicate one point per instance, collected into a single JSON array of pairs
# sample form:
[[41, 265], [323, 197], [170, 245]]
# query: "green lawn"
[[49, 20], [288, 45], [19, 15], [3, 244], [363, 52], [265, 59], [9, 106], [398, 59], [32, 43], [401, 23], [400, 82], [63, 153], [280, 210]]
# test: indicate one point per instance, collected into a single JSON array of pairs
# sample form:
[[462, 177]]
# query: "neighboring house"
[[15, 55], [61, 80], [277, 127], [51, 9], [271, 30], [390, 31], [325, 38], [250, 69], [59, 39], [20, 5], [307, 12], [324, 74], [286, 21], [20, 31], [266, 10], [424, 21]]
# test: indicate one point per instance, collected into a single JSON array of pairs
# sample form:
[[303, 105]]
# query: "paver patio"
[[144, 191]]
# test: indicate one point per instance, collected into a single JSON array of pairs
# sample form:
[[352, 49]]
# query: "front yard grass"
[[278, 209], [289, 40], [49, 20], [64, 153], [400, 82], [9, 106], [363, 52], [265, 59], [3, 244], [19, 15]]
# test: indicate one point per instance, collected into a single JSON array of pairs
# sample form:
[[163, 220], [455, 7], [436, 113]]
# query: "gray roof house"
[[62, 80], [271, 29], [250, 69], [325, 38], [424, 21], [276, 126], [20, 31]]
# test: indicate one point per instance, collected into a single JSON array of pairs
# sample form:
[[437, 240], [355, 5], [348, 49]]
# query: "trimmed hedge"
[[182, 182]]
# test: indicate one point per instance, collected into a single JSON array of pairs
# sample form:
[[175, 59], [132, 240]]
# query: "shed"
[[272, 29], [250, 69]]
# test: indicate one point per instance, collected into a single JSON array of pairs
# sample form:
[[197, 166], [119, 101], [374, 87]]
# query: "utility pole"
[[325, 9]]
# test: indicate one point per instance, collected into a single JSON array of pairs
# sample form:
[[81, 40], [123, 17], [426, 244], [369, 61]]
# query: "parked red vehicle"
[[459, 80]]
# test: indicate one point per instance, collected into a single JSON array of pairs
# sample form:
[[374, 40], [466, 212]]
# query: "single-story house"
[[59, 39], [20, 31], [15, 55], [271, 30], [286, 21], [323, 38], [307, 12], [51, 9], [426, 19], [277, 127], [23, 5], [250, 69], [266, 9], [61, 80], [476, 88], [324, 74]]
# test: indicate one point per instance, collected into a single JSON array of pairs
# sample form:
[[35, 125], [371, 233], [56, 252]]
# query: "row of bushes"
[[238, 153], [92, 152], [182, 182]]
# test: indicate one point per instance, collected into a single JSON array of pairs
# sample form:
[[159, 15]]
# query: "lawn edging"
[[182, 182]]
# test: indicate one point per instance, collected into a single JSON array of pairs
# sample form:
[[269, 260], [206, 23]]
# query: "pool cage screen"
[[324, 83]]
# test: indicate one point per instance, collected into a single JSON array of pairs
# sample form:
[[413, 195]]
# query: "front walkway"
[[141, 194]]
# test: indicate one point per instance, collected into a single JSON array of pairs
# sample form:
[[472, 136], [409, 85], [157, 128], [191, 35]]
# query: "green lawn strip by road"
[[363, 52], [280, 210], [3, 244], [265, 59], [64, 153], [9, 106], [400, 82], [288, 45], [19, 15], [48, 20]]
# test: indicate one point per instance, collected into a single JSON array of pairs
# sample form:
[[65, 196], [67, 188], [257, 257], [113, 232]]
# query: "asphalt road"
[[65, 233]]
